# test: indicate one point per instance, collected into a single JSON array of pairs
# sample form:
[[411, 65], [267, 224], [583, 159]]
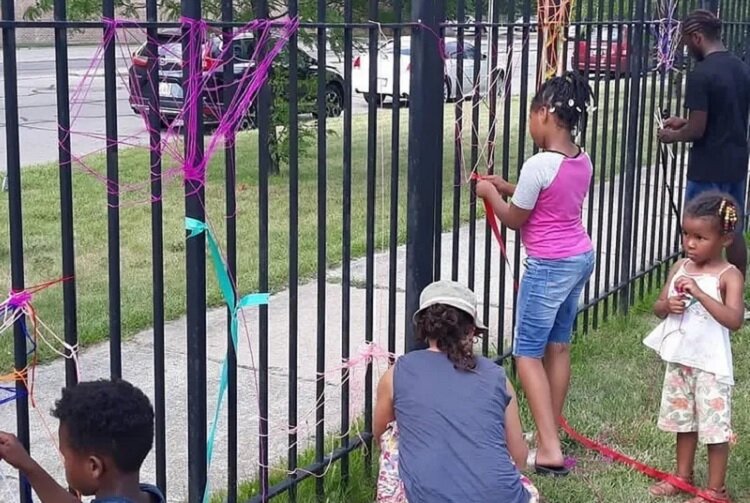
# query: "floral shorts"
[[693, 400], [390, 486]]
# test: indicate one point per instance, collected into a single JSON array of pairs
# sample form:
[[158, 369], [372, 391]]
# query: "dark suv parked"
[[170, 85]]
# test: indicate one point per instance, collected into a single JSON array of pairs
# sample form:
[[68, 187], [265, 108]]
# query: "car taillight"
[[210, 63], [624, 51], [141, 61], [356, 62]]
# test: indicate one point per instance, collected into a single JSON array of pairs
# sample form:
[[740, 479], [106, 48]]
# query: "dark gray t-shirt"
[[720, 86], [451, 425]]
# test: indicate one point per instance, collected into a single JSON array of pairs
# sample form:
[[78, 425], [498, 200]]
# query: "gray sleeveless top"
[[451, 423]]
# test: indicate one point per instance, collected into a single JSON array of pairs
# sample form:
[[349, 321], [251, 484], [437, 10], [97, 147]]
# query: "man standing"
[[717, 97]]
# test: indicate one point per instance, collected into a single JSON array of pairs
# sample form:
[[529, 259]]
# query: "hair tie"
[[728, 215]]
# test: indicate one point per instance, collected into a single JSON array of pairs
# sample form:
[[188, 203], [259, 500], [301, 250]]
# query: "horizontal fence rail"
[[186, 188]]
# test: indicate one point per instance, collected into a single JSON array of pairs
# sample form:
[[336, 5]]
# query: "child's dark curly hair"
[[568, 98], [718, 206], [110, 418], [451, 329]]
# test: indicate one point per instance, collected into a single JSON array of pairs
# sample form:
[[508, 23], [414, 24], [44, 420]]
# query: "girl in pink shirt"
[[546, 207]]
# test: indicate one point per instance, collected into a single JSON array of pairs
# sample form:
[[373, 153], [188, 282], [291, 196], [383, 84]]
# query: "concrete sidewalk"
[[138, 357]]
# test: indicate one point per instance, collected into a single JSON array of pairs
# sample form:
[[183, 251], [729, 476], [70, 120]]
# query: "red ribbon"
[[588, 442], [637, 465]]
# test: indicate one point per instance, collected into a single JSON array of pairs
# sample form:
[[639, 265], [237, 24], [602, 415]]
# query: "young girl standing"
[[546, 206], [701, 302]]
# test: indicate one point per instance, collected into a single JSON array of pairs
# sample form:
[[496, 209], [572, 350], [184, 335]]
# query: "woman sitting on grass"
[[457, 432]]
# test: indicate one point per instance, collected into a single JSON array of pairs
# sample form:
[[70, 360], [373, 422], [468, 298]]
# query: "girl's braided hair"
[[718, 206], [451, 329], [568, 97]]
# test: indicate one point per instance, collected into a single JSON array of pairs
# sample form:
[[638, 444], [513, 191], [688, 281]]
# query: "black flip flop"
[[551, 471]]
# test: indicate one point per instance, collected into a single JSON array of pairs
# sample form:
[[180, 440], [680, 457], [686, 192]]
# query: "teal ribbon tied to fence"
[[196, 227]]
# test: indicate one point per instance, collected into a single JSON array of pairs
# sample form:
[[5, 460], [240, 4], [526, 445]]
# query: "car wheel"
[[334, 100], [248, 121], [446, 91]]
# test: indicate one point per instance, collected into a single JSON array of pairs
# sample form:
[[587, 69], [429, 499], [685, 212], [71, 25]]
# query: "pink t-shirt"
[[553, 187]]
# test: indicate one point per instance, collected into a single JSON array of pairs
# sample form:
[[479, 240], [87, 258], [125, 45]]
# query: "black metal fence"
[[351, 199]]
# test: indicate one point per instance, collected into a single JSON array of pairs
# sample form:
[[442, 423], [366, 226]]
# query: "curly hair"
[[451, 329], [718, 206], [108, 417], [568, 98]]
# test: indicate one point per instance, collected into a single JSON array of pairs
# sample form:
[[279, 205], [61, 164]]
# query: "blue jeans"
[[548, 302], [735, 189]]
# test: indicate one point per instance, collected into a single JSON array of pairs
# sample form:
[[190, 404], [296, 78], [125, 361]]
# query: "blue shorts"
[[548, 302], [735, 189]]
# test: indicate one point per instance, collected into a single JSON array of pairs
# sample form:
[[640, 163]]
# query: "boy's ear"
[[95, 466]]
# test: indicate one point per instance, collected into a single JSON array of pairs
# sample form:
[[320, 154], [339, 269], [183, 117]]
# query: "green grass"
[[614, 399]]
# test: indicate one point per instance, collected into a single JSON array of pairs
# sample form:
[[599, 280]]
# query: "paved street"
[[38, 109]]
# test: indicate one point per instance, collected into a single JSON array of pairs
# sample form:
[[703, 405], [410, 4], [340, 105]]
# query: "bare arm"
[[664, 305], [384, 413], [695, 127], [509, 214], [48, 490], [519, 451], [731, 312]]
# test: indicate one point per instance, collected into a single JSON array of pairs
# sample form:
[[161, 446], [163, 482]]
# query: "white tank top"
[[694, 338]]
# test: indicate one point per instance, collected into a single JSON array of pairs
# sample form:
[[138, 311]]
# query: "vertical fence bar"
[[370, 225], [66, 189], [458, 148], [294, 258], [322, 250], [157, 249], [604, 202], [195, 259], [522, 116], [395, 175], [474, 156], [637, 208], [230, 173], [15, 216], [493, 89], [507, 104], [265, 99], [113, 198], [425, 124], [636, 63], [618, 143], [346, 250], [593, 150], [649, 237], [486, 279]]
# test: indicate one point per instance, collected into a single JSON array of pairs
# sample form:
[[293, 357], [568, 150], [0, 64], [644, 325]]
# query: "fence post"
[[195, 258], [15, 216], [425, 161], [636, 65]]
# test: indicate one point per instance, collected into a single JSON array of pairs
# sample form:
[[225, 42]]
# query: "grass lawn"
[[41, 212], [614, 399]]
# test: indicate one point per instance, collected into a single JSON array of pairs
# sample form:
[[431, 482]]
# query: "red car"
[[606, 50]]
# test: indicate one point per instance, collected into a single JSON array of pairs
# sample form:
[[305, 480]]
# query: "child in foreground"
[[106, 431], [700, 304]]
